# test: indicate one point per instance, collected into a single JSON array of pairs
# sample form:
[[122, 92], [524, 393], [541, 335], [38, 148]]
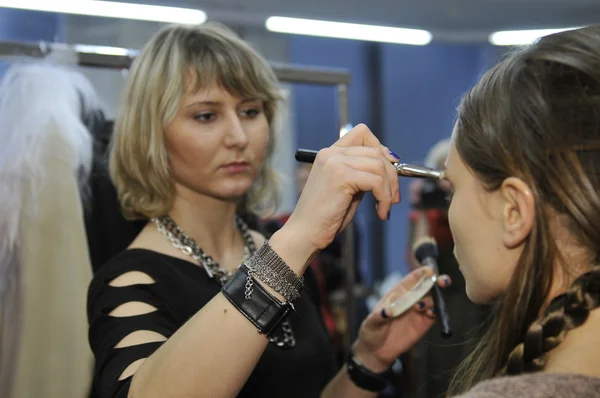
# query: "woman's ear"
[[518, 212]]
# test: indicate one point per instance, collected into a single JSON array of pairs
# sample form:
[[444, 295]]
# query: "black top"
[[180, 290]]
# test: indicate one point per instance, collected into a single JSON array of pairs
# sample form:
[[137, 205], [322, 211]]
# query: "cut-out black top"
[[181, 289]]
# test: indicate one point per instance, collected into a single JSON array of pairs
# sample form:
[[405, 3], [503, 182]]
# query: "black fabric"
[[180, 290], [108, 232]]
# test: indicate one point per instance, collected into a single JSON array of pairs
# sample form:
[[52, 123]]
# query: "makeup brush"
[[426, 253], [402, 169]]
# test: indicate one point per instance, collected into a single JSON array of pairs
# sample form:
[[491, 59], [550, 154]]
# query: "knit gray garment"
[[537, 385]]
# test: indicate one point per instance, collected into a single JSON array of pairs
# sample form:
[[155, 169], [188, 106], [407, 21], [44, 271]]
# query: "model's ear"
[[518, 211]]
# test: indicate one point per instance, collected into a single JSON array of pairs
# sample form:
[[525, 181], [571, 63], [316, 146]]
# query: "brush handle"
[[306, 155], [402, 169], [442, 313]]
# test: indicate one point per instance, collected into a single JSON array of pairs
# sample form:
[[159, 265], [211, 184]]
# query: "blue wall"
[[423, 86], [30, 25], [20, 25], [316, 107], [415, 93]]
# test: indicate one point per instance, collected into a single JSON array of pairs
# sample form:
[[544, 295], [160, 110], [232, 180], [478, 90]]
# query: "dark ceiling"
[[447, 19]]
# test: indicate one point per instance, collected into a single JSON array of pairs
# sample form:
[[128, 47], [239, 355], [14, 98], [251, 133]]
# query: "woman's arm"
[[214, 353], [382, 339]]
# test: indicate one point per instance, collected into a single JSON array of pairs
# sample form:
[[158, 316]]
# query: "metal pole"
[[119, 58], [348, 260]]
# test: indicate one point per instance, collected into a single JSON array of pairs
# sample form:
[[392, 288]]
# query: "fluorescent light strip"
[[111, 9], [342, 30], [521, 37], [87, 48]]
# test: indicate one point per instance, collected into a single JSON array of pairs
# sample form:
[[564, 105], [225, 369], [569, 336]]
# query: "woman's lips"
[[236, 167]]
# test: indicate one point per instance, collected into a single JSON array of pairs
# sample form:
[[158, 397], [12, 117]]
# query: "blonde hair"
[[158, 79]]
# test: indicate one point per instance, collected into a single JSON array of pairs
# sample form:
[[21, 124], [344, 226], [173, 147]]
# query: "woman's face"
[[216, 143], [478, 220]]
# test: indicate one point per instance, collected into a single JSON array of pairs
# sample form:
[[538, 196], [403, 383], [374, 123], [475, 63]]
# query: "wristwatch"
[[365, 379]]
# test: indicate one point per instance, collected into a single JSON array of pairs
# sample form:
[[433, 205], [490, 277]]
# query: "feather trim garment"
[[45, 160]]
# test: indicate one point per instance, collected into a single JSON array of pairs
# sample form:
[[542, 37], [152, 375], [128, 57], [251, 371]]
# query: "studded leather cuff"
[[261, 308]]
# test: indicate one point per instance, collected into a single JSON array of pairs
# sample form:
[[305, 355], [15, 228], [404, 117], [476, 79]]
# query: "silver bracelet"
[[269, 268]]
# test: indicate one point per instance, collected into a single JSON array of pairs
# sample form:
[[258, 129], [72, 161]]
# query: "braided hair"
[[564, 313], [536, 116]]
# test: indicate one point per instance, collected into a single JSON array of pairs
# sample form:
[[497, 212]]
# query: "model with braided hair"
[[525, 217]]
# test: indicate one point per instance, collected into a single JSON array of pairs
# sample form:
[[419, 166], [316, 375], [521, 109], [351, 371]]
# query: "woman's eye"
[[251, 113], [204, 117]]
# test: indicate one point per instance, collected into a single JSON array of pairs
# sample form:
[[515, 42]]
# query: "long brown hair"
[[536, 116]]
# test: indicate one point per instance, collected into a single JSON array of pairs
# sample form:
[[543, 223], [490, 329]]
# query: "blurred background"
[[404, 84]]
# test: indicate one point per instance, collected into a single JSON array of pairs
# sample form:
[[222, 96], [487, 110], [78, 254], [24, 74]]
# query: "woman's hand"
[[355, 164], [382, 339]]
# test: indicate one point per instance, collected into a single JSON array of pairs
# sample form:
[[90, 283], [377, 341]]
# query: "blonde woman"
[[176, 315]]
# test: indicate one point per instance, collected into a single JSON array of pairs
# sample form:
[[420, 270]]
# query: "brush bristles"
[[424, 247], [424, 239]]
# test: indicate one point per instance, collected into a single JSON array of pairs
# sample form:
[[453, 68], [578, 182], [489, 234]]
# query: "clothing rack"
[[121, 58]]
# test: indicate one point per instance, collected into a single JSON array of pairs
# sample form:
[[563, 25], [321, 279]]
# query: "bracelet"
[[267, 266], [262, 309], [363, 378]]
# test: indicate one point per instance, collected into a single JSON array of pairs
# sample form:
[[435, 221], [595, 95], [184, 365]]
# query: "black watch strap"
[[264, 310], [363, 378]]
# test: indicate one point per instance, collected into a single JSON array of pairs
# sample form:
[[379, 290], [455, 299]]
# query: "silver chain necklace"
[[169, 228]]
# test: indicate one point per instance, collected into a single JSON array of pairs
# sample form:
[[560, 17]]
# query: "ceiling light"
[[521, 37], [111, 9], [343, 30], [105, 50]]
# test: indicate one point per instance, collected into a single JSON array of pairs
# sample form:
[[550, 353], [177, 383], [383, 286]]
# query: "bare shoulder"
[[579, 353], [258, 238], [150, 239], [147, 238]]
